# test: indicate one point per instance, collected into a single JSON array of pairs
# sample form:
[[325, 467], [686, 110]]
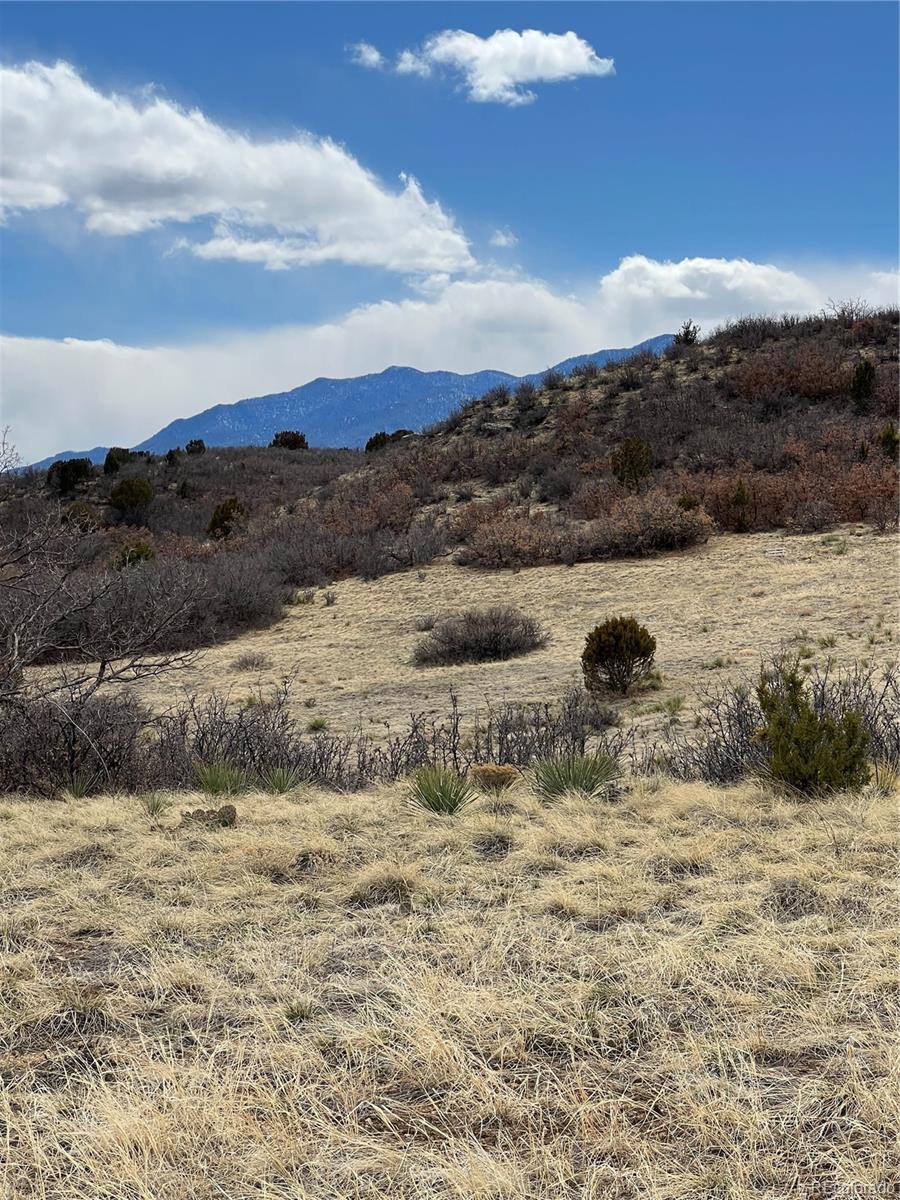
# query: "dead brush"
[[495, 778]]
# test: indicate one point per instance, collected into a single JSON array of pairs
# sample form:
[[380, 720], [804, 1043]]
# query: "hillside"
[[251, 951], [716, 612], [769, 424], [344, 412]]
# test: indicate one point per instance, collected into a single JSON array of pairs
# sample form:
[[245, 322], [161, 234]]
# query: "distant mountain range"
[[345, 412]]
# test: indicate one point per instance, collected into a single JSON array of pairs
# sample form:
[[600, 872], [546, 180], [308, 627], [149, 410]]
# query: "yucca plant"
[[154, 804], [279, 780], [440, 791], [82, 783], [588, 775], [219, 778]]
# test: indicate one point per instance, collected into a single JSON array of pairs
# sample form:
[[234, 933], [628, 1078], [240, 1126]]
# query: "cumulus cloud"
[[74, 394], [494, 69], [130, 165], [364, 54], [504, 239]]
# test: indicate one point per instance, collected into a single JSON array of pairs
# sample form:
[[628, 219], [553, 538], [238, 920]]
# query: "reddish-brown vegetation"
[[768, 423]]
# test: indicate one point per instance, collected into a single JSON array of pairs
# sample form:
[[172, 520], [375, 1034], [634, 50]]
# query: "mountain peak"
[[346, 412]]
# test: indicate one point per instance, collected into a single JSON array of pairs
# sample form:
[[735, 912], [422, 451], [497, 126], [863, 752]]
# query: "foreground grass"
[[682, 993]]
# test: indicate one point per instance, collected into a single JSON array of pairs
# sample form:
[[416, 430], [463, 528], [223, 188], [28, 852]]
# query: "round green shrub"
[[67, 473], [116, 456], [617, 654], [631, 461], [131, 498], [862, 385], [289, 439]]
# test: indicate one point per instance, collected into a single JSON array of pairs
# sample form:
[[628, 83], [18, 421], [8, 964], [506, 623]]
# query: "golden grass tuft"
[[685, 992]]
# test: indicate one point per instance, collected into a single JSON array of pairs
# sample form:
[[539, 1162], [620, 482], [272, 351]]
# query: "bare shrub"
[[812, 516], [807, 370], [251, 661], [53, 745], [113, 745], [513, 537], [97, 626], [744, 499], [480, 635], [244, 593], [646, 524]]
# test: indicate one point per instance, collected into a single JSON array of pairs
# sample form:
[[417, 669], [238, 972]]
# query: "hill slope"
[[343, 412]]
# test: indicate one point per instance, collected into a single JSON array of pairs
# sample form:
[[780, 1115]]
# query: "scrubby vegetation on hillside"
[[766, 423]]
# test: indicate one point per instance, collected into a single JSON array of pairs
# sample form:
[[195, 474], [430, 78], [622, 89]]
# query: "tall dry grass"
[[683, 992]]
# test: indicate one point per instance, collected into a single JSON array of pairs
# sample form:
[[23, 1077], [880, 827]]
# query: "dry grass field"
[[715, 611], [683, 993], [679, 993]]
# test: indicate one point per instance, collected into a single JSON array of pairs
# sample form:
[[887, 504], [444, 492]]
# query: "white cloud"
[[75, 394], [494, 69], [409, 63], [364, 54], [504, 239], [131, 165]]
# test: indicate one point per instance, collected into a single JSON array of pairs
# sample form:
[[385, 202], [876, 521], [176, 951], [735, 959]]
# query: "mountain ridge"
[[344, 412]]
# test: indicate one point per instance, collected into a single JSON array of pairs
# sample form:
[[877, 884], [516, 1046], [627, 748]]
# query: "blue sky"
[[728, 134]]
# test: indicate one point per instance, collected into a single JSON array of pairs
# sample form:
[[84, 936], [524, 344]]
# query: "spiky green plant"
[[588, 775], [438, 790], [219, 778], [154, 804], [280, 780], [82, 783]]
